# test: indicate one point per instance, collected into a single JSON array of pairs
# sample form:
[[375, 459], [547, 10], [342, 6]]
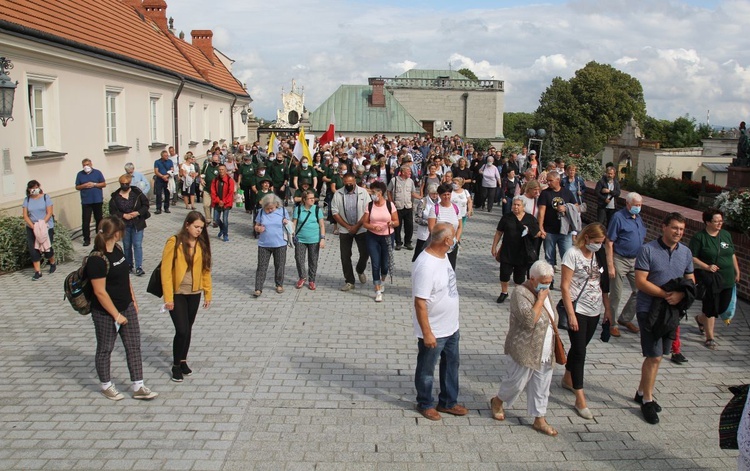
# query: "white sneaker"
[[379, 297], [112, 393], [144, 394]]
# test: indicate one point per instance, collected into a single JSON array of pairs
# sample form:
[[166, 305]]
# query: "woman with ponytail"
[[114, 309]]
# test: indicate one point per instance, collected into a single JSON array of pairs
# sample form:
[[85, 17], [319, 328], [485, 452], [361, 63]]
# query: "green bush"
[[480, 145], [14, 254]]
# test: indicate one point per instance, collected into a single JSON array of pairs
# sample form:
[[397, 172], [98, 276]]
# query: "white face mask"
[[35, 191], [304, 164], [594, 247], [87, 168], [375, 198]]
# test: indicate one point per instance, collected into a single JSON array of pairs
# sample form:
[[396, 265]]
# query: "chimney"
[[156, 11], [202, 39], [377, 99]]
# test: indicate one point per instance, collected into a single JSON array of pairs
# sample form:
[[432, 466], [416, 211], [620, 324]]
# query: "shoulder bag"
[[154, 283]]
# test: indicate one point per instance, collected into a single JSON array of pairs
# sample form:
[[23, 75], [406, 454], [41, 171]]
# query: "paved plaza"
[[323, 380]]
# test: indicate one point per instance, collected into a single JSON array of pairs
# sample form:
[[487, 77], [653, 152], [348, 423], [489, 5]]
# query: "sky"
[[691, 56]]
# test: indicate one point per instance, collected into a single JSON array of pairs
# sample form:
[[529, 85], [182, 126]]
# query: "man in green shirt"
[[246, 172], [278, 172], [209, 171]]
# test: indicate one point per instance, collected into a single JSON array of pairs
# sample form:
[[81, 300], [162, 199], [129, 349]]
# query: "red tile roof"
[[117, 28]]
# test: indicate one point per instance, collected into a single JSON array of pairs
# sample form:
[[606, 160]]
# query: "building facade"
[[110, 81]]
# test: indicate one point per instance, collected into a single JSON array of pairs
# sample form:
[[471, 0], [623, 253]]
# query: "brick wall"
[[653, 213]]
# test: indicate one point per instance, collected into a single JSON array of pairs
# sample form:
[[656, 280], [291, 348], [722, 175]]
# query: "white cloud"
[[688, 59]]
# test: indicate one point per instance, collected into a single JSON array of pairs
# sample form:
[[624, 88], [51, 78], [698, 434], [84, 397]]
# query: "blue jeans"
[[562, 242], [377, 247], [447, 351], [133, 245], [221, 218]]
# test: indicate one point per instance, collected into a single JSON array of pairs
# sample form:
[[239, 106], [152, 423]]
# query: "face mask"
[[349, 188], [375, 198], [124, 186], [453, 247], [87, 168], [335, 165], [542, 286], [262, 172], [594, 247], [35, 191], [434, 200], [305, 165], [214, 164], [367, 167], [635, 209], [455, 186]]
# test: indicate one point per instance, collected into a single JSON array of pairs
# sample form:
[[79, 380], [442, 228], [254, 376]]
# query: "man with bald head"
[[436, 325], [552, 209]]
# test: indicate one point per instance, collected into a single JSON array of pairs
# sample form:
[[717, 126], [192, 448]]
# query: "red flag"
[[329, 136]]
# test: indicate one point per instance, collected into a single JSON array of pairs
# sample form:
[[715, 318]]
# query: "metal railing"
[[444, 83]]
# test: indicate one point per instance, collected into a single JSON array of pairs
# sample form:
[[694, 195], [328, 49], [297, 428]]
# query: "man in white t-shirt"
[[436, 325]]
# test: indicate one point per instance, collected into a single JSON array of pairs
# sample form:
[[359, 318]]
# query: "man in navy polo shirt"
[[90, 182], [625, 236], [163, 171], [658, 262]]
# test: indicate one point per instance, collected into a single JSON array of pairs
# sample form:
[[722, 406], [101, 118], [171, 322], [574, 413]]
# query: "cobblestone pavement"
[[324, 380]]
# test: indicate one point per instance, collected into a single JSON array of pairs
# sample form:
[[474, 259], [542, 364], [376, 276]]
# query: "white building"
[[110, 81]]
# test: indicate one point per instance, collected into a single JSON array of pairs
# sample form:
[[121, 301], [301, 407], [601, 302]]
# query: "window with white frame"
[[43, 119], [36, 112], [155, 115], [191, 122], [112, 115], [206, 123]]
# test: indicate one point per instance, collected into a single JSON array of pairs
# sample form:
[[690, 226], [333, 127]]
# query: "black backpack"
[[77, 286]]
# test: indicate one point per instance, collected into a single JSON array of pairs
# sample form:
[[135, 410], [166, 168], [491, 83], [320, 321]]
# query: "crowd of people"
[[372, 192]]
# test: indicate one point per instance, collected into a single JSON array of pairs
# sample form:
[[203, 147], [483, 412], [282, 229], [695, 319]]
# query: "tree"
[[590, 107], [516, 124], [468, 74], [654, 129]]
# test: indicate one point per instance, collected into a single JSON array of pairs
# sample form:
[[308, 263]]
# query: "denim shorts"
[[650, 346]]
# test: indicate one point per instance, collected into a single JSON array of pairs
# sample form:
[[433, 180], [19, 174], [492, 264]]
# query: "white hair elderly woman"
[[530, 346], [270, 225]]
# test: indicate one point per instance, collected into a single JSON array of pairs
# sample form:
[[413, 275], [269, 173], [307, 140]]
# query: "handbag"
[[560, 357], [154, 282], [562, 313], [729, 420]]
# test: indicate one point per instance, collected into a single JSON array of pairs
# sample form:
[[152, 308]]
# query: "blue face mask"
[[635, 209], [542, 286]]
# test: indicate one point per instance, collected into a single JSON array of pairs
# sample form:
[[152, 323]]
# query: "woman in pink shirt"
[[380, 219]]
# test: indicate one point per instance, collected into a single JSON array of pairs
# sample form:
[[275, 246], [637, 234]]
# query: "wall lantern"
[[7, 91]]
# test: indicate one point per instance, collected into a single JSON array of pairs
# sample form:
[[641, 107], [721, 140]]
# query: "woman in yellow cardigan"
[[185, 272]]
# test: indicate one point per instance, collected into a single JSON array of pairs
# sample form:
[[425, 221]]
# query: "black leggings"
[[183, 316], [578, 341]]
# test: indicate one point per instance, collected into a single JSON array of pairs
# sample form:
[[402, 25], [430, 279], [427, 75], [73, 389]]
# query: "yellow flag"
[[301, 149], [273, 144]]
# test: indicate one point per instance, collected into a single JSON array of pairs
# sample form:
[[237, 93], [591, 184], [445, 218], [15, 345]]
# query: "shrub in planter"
[[14, 253]]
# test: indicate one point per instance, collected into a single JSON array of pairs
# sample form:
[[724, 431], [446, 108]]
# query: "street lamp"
[[536, 138], [7, 90], [243, 115]]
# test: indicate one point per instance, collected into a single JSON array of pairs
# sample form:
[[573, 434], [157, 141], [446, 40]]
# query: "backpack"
[[77, 286], [437, 209]]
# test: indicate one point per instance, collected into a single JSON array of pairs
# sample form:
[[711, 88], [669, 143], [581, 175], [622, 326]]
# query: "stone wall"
[[653, 213]]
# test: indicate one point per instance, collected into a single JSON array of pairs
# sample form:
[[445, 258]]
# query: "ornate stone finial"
[[171, 22], [182, 35]]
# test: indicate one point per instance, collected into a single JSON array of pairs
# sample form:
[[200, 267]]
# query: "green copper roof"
[[353, 113], [431, 74]]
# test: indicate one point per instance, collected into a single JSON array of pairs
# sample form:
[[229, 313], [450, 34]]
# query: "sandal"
[[497, 409], [257, 293], [700, 326], [710, 344], [546, 429]]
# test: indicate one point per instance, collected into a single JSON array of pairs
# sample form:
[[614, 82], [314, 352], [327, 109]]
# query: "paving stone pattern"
[[323, 380]]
